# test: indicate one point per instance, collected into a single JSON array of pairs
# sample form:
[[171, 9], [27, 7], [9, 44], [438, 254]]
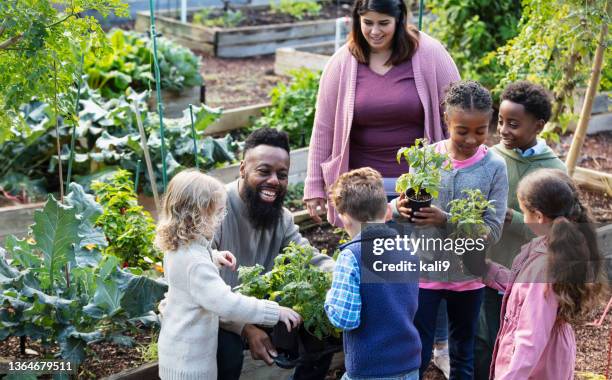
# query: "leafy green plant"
[[297, 9], [107, 138], [129, 229], [472, 28], [56, 286], [425, 166], [150, 351], [212, 17], [295, 283], [129, 65], [293, 107], [554, 48], [293, 199], [467, 214], [40, 47]]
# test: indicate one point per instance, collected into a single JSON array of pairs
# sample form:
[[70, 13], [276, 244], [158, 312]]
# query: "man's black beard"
[[262, 214]]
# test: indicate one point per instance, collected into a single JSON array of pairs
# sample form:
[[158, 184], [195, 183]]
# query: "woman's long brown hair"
[[405, 39]]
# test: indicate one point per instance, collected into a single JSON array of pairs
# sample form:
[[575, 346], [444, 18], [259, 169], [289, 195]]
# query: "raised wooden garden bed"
[[310, 56], [235, 118], [15, 220], [175, 102], [242, 41]]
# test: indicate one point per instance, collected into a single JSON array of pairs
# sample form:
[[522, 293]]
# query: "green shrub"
[[212, 17], [470, 29], [56, 286], [129, 64], [297, 9], [129, 229], [295, 283], [293, 107]]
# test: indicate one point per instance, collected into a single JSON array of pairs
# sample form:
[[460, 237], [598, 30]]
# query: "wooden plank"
[[15, 220], [297, 169], [262, 48], [594, 180], [174, 28], [287, 59], [235, 118], [273, 32], [176, 102], [148, 371]]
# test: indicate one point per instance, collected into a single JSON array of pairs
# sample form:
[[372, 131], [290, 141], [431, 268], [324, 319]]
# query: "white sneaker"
[[441, 360]]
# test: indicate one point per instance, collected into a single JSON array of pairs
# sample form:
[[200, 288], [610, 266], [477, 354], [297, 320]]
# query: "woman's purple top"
[[388, 115]]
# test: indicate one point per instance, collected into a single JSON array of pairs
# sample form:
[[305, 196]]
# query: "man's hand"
[[509, 215], [314, 207], [260, 344], [429, 216]]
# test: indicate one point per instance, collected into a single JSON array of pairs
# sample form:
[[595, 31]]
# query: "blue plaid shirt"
[[343, 300]]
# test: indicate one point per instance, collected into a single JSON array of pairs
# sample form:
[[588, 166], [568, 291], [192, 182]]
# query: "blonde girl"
[[553, 282], [198, 299]]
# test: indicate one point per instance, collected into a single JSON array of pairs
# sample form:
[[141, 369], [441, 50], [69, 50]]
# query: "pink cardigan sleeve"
[[321, 141], [540, 305], [446, 73]]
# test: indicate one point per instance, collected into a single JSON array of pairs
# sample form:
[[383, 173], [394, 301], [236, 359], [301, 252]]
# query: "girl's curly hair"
[[191, 209]]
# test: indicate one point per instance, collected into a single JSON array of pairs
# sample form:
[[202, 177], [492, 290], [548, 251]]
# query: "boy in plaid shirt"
[[374, 292]]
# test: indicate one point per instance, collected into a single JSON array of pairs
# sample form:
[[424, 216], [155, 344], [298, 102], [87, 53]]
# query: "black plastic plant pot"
[[286, 343], [415, 203], [310, 344]]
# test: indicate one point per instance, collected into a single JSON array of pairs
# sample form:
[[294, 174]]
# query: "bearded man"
[[256, 229]]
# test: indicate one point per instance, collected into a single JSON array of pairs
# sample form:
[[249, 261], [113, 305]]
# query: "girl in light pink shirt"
[[553, 282]]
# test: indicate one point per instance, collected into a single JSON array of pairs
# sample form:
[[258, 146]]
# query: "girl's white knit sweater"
[[197, 298]]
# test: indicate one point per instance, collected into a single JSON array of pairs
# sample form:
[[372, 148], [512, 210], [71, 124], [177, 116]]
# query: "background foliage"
[[293, 107], [56, 286], [40, 49], [470, 29]]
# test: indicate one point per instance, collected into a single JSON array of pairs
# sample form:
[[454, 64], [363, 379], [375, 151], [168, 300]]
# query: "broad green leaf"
[[56, 233], [108, 297], [73, 350], [141, 295]]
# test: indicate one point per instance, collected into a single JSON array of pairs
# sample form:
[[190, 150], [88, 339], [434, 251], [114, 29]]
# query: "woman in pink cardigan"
[[378, 93], [554, 281]]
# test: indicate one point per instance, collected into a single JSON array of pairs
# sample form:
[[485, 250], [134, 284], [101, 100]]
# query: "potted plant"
[[421, 183], [467, 217], [295, 283]]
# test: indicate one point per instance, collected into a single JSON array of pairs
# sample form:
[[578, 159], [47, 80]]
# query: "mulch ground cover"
[[103, 358]]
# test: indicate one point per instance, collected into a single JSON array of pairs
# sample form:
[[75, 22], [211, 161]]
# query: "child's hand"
[[402, 207], [429, 216], [509, 215], [289, 317], [224, 259]]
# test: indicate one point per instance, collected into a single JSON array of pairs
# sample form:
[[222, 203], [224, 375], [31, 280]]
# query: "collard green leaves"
[[99, 302]]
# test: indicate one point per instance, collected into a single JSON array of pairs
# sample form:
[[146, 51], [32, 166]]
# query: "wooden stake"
[[585, 114], [145, 149]]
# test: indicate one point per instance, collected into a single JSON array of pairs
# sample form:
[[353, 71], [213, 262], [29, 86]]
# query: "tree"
[[555, 48], [472, 28], [41, 42]]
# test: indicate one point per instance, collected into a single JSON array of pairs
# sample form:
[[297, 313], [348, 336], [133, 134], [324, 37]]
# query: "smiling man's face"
[[265, 175]]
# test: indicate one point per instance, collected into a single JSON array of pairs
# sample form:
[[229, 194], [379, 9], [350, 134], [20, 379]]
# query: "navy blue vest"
[[386, 343]]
